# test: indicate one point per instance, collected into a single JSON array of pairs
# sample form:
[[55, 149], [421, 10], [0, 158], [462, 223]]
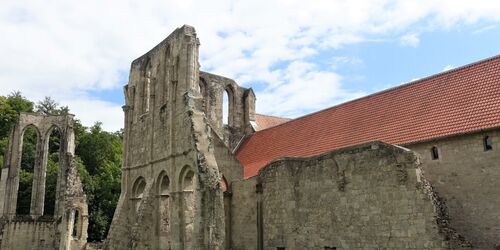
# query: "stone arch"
[[138, 188], [187, 181], [28, 162], [163, 211], [138, 191], [228, 105], [51, 167], [163, 184], [77, 223]]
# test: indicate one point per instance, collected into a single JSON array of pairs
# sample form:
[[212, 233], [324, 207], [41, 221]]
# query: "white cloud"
[[448, 67], [410, 40], [67, 49]]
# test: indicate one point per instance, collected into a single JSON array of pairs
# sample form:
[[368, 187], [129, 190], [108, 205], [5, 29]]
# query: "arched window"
[[225, 107], [488, 143], [138, 188], [54, 142], [434, 153], [188, 182], [163, 211], [188, 185], [164, 185], [30, 140], [76, 224]]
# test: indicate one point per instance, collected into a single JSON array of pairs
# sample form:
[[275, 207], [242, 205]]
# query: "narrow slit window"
[[225, 108], [330, 248], [488, 143], [280, 248], [434, 153]]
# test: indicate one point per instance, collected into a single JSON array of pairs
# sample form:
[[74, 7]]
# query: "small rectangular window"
[[434, 153], [330, 248], [280, 248], [488, 143]]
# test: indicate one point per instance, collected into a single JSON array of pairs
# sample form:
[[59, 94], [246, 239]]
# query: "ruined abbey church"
[[412, 167]]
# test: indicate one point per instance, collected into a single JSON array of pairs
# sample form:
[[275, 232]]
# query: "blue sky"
[[299, 56]]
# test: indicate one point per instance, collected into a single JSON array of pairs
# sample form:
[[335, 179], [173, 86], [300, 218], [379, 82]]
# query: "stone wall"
[[468, 177], [364, 197], [29, 234], [241, 107], [244, 214], [171, 186]]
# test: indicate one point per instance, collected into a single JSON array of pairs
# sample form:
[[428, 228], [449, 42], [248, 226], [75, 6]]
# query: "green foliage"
[[10, 106], [109, 147], [101, 154], [24, 194], [49, 106]]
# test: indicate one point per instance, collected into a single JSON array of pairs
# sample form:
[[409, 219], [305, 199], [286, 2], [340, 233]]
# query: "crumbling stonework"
[[468, 178], [172, 185], [67, 228]]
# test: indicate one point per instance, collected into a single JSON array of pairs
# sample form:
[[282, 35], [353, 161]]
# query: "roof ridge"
[[274, 116], [410, 83]]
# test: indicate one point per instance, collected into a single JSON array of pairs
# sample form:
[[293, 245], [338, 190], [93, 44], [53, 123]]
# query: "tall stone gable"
[[171, 195]]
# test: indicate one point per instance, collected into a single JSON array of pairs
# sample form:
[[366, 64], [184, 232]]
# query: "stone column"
[[39, 174]]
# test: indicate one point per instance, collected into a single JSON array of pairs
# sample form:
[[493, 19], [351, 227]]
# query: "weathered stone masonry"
[[172, 187]]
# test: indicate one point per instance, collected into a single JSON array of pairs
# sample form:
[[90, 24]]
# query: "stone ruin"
[[183, 188], [67, 227]]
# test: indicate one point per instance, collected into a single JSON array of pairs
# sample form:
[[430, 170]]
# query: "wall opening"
[[138, 191], [225, 107], [29, 153], [138, 188], [163, 211], [76, 224], [53, 156], [488, 143], [188, 181], [434, 153]]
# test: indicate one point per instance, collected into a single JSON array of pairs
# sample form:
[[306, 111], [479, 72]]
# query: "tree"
[[49, 106], [100, 153], [10, 107]]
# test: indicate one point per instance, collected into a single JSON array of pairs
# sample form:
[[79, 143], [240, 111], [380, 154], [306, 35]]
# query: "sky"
[[298, 56]]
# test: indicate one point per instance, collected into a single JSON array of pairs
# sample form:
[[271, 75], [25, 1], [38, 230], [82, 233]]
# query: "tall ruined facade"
[[66, 229], [177, 160]]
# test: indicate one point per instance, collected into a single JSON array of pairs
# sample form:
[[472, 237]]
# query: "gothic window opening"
[[30, 141], [188, 181], [76, 224], [434, 153], [225, 107], [488, 143], [52, 170], [138, 191], [163, 210]]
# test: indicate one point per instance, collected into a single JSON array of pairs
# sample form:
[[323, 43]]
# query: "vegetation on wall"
[[98, 157]]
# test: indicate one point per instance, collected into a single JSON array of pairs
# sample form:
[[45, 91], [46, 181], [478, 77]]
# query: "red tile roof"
[[458, 101], [267, 121]]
